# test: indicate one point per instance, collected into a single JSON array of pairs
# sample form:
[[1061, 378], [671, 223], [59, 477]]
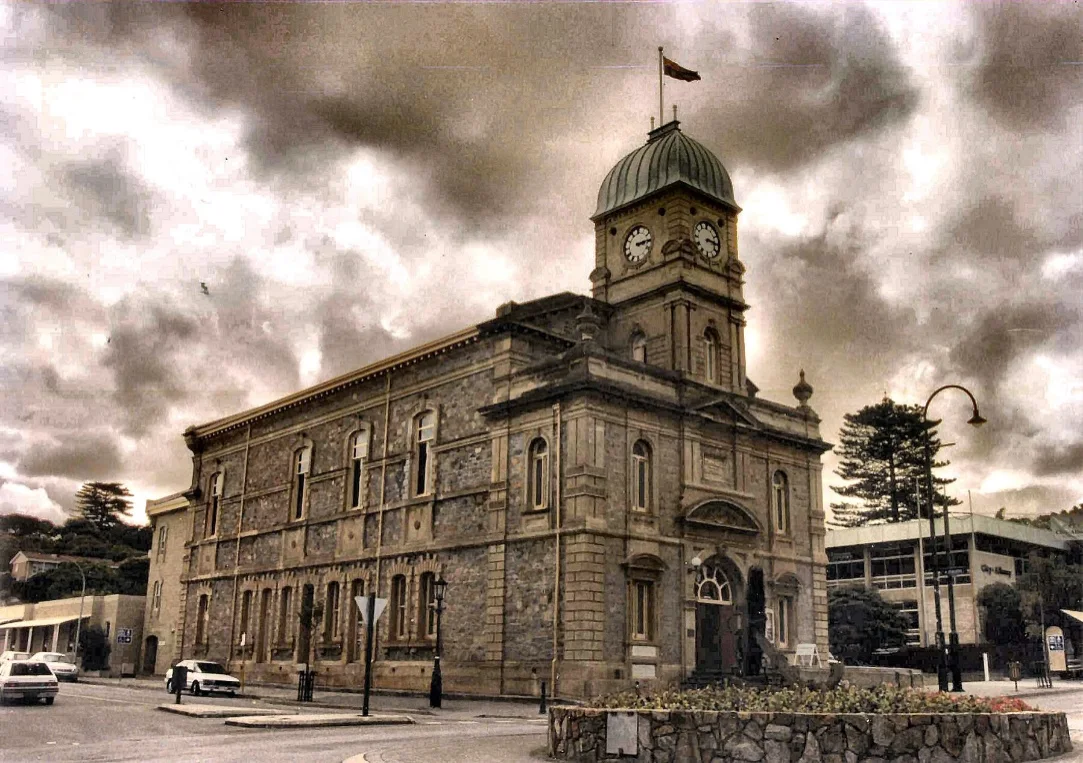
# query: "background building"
[[26, 564], [50, 626], [170, 525], [595, 477], [896, 559]]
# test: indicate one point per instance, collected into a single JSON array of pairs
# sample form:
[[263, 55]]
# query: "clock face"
[[637, 245], [707, 240]]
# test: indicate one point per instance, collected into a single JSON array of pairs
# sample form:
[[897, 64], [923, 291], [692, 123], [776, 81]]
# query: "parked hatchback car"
[[28, 680], [204, 676], [10, 655], [61, 665]]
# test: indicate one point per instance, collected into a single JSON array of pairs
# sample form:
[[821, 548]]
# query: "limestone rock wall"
[[646, 736]]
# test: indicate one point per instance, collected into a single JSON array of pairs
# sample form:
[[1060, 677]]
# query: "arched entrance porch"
[[718, 621]]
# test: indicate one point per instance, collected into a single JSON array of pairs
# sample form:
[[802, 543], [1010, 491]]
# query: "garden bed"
[[843, 725]]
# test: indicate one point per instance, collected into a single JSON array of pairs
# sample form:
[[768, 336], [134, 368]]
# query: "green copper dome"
[[670, 157]]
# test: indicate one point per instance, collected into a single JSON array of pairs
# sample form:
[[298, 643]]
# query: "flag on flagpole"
[[676, 71]]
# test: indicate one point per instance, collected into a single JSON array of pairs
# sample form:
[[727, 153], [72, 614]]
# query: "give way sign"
[[363, 605]]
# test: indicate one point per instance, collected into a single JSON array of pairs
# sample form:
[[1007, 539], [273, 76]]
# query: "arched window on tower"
[[641, 476], [710, 355], [780, 497], [639, 347], [538, 479]]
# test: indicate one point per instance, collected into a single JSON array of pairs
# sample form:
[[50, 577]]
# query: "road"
[[107, 723]]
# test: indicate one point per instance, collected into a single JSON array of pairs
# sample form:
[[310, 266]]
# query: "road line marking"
[[96, 698]]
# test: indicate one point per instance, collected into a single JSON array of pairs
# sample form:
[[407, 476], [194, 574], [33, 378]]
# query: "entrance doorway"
[[150, 654], [717, 622]]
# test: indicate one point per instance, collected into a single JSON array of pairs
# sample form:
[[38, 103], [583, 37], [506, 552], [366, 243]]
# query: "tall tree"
[[1003, 621], [104, 504], [1051, 583], [859, 622], [882, 455]]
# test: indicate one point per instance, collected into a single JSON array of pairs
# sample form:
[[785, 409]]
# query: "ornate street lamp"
[[436, 686], [975, 420]]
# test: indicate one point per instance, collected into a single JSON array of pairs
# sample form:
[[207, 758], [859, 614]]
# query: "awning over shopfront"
[[8, 620], [40, 623], [1075, 614]]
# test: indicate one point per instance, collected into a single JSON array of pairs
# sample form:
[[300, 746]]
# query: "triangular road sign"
[[363, 606]]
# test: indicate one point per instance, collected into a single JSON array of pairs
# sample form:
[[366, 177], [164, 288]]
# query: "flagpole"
[[661, 116]]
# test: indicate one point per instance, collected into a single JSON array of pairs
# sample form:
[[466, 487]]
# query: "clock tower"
[[666, 260]]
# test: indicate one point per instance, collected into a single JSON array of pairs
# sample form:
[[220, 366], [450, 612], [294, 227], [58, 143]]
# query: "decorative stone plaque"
[[621, 734]]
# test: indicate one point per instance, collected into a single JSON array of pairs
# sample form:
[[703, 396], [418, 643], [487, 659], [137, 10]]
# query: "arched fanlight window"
[[710, 355], [780, 494], [641, 476], [538, 481], [639, 347], [712, 585]]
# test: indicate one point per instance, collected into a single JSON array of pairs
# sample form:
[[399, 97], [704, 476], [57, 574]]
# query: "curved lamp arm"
[[975, 420]]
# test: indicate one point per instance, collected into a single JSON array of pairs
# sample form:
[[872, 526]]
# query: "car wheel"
[[233, 695], [50, 700], [195, 689], [169, 686]]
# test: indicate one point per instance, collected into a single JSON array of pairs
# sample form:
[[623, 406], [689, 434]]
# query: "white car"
[[9, 656], [61, 665], [27, 680], [204, 676]]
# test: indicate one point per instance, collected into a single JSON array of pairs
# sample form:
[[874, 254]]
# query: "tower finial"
[[674, 112], [802, 391]]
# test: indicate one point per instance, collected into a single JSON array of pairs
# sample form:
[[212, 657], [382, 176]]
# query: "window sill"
[[535, 511]]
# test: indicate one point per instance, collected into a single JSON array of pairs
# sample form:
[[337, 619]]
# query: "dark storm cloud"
[[810, 81], [1029, 55], [1059, 459], [104, 188], [987, 348], [86, 457], [144, 354], [988, 227]]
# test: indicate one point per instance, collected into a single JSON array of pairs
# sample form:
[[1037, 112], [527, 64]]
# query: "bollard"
[[541, 707]]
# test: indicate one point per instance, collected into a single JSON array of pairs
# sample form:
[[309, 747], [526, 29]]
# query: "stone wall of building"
[[664, 736]]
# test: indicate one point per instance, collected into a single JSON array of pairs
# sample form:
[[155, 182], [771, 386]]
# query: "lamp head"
[[439, 587], [976, 420], [695, 561]]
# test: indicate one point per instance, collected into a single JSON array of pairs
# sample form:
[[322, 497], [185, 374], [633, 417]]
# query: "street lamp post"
[[436, 686], [79, 622], [975, 420]]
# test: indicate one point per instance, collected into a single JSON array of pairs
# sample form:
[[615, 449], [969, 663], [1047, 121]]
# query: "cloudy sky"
[[352, 179]]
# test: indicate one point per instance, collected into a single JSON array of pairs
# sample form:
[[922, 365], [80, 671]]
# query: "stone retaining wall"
[[646, 736]]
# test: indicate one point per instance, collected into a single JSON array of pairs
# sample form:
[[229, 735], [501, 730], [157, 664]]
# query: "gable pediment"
[[721, 514]]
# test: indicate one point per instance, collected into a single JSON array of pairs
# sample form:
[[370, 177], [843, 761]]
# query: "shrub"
[[859, 622], [885, 698], [95, 648]]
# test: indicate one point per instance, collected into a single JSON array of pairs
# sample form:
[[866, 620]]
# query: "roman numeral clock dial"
[[637, 244], [707, 239]]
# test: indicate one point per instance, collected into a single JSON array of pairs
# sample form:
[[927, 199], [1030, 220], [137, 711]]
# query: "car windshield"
[[210, 667], [52, 657], [17, 656], [30, 669]]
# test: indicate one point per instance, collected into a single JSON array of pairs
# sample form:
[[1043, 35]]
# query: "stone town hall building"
[[595, 478]]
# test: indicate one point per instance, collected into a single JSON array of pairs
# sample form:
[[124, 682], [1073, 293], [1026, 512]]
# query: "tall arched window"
[[710, 355], [639, 347], [780, 493], [424, 434], [539, 474], [359, 454], [285, 621], [156, 599], [212, 507], [641, 476], [302, 465], [426, 606], [398, 608], [246, 616], [331, 612], [202, 619]]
